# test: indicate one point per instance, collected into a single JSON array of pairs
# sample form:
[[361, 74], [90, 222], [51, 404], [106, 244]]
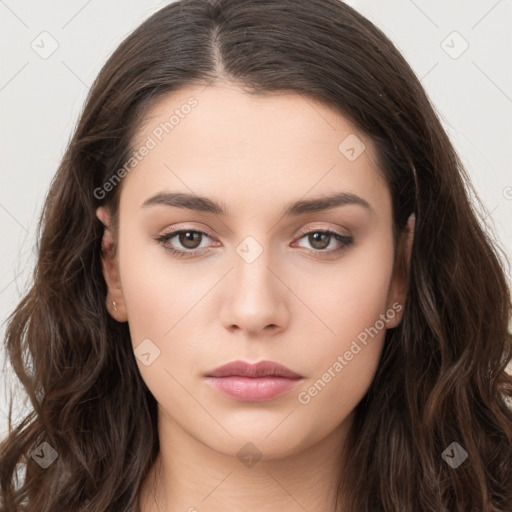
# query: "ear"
[[400, 278], [115, 300]]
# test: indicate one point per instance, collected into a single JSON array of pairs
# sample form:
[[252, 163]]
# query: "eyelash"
[[346, 241]]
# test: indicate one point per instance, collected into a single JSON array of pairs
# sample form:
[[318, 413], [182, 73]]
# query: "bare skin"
[[297, 303]]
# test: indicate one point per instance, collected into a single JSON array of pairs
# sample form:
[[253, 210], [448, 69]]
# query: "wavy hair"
[[442, 376]]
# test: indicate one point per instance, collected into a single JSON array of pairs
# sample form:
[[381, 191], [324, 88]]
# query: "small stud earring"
[[114, 304]]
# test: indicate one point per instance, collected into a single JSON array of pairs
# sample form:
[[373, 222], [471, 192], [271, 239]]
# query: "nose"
[[255, 298]]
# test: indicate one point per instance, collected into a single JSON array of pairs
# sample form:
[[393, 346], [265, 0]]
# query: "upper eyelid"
[[180, 230], [300, 234]]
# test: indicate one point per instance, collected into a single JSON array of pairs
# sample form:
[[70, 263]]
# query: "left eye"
[[318, 240], [189, 239]]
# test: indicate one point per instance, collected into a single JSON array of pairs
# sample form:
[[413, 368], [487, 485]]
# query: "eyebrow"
[[204, 204]]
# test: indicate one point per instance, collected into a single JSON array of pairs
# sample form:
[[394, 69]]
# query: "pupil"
[[316, 239], [189, 239]]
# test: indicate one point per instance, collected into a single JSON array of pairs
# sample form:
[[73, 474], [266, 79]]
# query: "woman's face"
[[251, 284]]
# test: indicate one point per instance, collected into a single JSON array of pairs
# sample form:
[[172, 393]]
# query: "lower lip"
[[250, 389]]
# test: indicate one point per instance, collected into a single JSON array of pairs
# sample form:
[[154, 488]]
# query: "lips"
[[258, 382], [261, 369]]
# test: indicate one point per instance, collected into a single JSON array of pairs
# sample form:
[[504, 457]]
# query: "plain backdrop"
[[52, 51]]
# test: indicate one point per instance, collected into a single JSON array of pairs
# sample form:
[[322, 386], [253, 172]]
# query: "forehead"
[[220, 141]]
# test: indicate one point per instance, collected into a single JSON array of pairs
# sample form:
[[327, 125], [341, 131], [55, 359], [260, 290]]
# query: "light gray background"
[[41, 98]]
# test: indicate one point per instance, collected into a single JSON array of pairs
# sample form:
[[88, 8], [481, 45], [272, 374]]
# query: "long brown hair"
[[441, 378]]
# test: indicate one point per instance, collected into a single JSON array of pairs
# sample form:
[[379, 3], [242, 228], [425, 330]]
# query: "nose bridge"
[[252, 263], [256, 294]]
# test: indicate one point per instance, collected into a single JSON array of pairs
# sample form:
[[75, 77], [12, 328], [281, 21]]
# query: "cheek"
[[342, 365], [344, 349], [161, 316], [350, 296], [166, 301], [158, 291]]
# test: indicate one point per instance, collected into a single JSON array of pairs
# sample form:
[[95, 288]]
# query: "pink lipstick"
[[258, 382]]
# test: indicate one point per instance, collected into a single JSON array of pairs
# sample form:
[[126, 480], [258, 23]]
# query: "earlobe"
[[114, 300], [400, 279]]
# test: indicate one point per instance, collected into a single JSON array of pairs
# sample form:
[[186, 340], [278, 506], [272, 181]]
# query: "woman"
[[261, 284]]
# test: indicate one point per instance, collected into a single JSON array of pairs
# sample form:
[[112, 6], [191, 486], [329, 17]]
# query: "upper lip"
[[260, 369]]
